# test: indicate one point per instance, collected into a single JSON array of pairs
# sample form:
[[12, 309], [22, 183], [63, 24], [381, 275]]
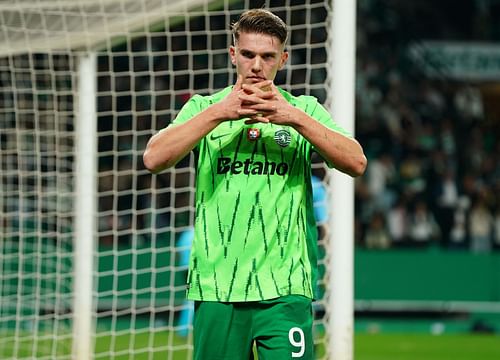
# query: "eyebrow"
[[267, 53]]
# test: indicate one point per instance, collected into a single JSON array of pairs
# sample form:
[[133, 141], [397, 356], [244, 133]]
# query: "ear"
[[284, 58], [232, 54]]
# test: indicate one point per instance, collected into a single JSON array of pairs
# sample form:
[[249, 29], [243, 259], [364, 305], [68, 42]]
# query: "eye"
[[247, 54], [269, 56]]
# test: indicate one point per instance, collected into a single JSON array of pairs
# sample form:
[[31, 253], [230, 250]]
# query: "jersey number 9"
[[301, 344]]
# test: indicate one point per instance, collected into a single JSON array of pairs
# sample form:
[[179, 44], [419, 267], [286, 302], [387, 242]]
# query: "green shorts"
[[281, 329]]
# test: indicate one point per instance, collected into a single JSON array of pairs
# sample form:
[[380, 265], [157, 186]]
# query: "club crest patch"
[[282, 138], [253, 134]]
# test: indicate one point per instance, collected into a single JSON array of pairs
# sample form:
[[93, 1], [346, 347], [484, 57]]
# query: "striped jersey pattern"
[[255, 233]]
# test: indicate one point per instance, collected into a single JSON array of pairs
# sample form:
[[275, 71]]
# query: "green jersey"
[[255, 232]]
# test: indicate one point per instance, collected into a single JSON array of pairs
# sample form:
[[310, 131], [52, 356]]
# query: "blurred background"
[[428, 116]]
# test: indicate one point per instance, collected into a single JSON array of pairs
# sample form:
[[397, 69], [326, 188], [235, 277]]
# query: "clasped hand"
[[259, 102]]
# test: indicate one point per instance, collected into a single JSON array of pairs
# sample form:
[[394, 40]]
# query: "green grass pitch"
[[381, 346], [426, 347]]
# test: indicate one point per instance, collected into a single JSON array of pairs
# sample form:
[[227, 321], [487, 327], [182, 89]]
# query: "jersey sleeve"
[[318, 112], [197, 103], [314, 109], [191, 108]]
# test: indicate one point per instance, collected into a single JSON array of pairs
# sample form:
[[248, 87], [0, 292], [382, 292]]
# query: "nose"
[[257, 64]]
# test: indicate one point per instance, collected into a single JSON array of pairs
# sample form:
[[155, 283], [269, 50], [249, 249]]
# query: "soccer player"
[[253, 261]]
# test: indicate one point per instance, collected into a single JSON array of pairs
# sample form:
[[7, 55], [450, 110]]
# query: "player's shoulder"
[[304, 102], [211, 98], [198, 103]]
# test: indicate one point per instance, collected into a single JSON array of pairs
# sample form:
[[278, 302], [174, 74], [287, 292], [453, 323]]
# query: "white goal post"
[[92, 246]]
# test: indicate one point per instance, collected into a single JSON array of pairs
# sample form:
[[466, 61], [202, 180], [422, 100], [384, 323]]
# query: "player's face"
[[257, 57]]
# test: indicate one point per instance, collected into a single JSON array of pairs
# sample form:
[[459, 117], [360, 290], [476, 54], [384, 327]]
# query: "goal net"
[[150, 57]]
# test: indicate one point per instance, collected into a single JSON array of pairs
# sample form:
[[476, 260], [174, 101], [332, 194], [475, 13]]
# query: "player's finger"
[[265, 85], [261, 89], [250, 99], [246, 112], [238, 84], [262, 107], [256, 119]]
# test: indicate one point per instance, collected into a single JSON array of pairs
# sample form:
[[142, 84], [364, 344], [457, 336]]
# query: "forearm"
[[169, 146], [344, 153]]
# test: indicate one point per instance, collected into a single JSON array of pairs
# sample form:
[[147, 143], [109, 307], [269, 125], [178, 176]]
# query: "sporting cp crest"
[[282, 138], [253, 134]]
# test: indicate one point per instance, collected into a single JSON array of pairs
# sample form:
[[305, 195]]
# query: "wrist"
[[297, 118], [216, 113]]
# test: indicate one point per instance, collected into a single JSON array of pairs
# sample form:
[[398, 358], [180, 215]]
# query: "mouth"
[[255, 79]]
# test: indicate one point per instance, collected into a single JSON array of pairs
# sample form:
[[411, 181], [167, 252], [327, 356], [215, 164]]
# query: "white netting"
[[36, 203], [151, 56]]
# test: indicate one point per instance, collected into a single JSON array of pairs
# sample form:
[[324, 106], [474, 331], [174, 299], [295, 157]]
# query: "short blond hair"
[[260, 21]]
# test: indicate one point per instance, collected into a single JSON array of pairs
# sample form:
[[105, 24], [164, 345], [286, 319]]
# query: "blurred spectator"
[[183, 247], [381, 173], [377, 236], [370, 100], [422, 227], [432, 99], [397, 222], [469, 103], [447, 136], [447, 201], [320, 200], [459, 230], [481, 226], [411, 171]]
